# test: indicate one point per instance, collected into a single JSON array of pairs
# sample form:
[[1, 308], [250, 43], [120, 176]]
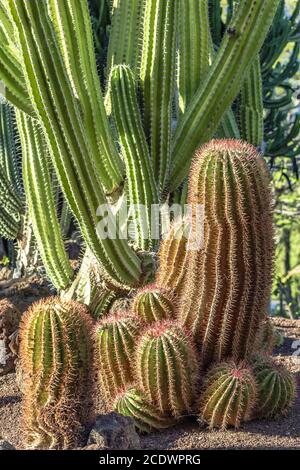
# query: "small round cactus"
[[152, 304], [56, 355], [276, 387], [146, 416], [228, 395], [115, 342], [9, 321], [167, 367]]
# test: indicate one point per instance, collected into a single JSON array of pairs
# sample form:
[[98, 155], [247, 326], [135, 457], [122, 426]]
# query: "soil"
[[283, 433]]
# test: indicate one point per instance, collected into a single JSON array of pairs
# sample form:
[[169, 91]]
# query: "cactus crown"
[[228, 395], [276, 387], [153, 304], [167, 367]]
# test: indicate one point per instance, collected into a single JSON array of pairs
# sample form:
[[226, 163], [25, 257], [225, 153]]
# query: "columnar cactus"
[[56, 360], [167, 367], [229, 279], [9, 321], [153, 304], [276, 387], [228, 395], [172, 258], [115, 338], [146, 416]]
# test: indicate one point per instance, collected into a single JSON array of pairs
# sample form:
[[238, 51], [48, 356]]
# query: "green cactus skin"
[[268, 337], [10, 66], [9, 321], [10, 186], [115, 338], [157, 75], [229, 278], [56, 356], [153, 304], [40, 199], [172, 259], [194, 50], [69, 145], [146, 417], [276, 387], [9, 158], [125, 34], [142, 189], [228, 395], [252, 107], [167, 367], [204, 113]]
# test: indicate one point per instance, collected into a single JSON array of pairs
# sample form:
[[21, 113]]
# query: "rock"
[[114, 431], [4, 445], [9, 322]]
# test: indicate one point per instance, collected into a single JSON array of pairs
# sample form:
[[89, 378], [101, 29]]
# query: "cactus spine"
[[56, 356], [228, 395], [115, 337], [276, 387], [152, 304], [252, 107], [143, 192], [172, 258], [40, 198], [167, 367], [232, 273], [200, 121], [268, 337], [146, 417], [157, 74]]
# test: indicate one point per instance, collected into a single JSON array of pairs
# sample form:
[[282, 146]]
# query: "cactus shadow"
[[9, 400]]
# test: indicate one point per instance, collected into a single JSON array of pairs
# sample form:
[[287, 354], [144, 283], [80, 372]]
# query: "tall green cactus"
[[56, 359], [229, 278], [40, 199], [244, 37]]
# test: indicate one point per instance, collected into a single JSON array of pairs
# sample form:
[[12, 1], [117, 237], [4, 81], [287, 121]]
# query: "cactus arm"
[[52, 98], [39, 195], [194, 47], [252, 107], [72, 23], [200, 121], [125, 31], [157, 74], [9, 159], [141, 182], [10, 67]]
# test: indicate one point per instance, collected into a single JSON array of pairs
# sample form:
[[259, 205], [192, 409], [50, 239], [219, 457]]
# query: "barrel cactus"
[[9, 321], [146, 416], [167, 367], [172, 258], [228, 281], [153, 304], [268, 337], [56, 358], [228, 395], [276, 387], [115, 337]]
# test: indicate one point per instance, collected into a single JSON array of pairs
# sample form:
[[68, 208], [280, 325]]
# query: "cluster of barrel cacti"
[[175, 340]]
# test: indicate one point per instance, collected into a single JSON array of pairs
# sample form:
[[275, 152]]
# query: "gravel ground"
[[281, 434]]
